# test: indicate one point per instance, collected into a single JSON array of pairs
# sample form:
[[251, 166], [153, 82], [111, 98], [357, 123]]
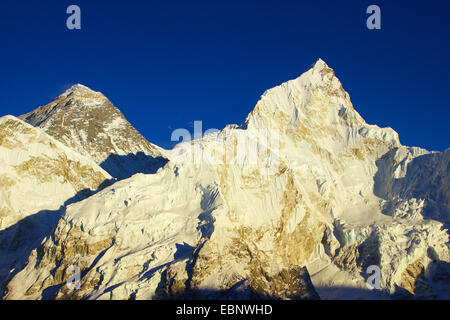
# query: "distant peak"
[[320, 65], [80, 90], [78, 86], [320, 61]]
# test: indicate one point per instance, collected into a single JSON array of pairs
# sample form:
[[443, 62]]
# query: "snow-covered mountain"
[[39, 173], [89, 123], [39, 176], [295, 203]]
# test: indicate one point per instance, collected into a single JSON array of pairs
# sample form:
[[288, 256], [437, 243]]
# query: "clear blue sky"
[[167, 63]]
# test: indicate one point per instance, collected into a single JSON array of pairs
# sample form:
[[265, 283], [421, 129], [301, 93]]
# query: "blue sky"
[[167, 63]]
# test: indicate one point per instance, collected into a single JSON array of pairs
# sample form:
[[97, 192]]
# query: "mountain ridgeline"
[[80, 187]]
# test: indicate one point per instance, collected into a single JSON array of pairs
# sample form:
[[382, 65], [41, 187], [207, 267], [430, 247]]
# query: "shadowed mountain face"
[[89, 123], [20, 240], [125, 166], [412, 174]]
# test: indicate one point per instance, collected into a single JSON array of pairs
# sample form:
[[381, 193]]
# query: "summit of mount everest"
[[87, 122], [299, 202]]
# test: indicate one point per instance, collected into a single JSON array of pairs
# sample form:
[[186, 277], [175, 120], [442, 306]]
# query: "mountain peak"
[[80, 90], [319, 62], [321, 66], [86, 121], [79, 86], [316, 105]]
